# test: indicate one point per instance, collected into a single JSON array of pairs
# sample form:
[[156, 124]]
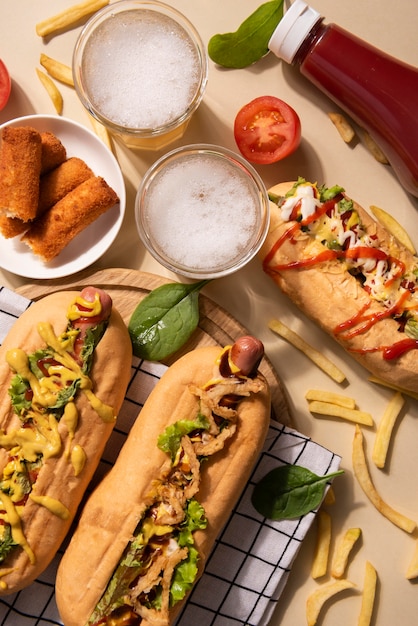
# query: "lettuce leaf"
[[169, 441], [411, 329], [17, 392], [185, 573], [184, 576], [7, 544], [91, 340]]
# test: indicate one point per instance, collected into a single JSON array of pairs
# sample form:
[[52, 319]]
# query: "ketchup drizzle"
[[361, 322]]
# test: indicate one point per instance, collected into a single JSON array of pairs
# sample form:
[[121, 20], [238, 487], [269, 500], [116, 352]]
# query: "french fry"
[[68, 17], [334, 410], [317, 598], [331, 397], [343, 126], [385, 429], [323, 541], [362, 474], [314, 355], [374, 149], [329, 497], [412, 571], [53, 91], [57, 70], [383, 383], [368, 595], [342, 552], [392, 225]]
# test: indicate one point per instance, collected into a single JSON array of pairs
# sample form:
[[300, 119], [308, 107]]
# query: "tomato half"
[[267, 130], [5, 85]]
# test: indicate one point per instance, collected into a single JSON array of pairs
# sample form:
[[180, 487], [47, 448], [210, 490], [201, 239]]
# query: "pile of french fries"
[[340, 560], [322, 403], [56, 70], [337, 566]]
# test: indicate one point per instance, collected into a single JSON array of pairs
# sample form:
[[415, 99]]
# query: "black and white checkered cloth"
[[250, 563]]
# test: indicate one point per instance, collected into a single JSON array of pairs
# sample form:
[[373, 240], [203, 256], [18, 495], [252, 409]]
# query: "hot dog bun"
[[42, 530], [115, 507], [331, 296]]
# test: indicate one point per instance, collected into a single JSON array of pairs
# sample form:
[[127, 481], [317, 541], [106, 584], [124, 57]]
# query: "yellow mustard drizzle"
[[149, 529], [5, 572], [70, 419], [104, 411], [10, 483], [75, 453], [78, 459], [18, 361], [42, 439], [13, 518], [54, 506], [233, 368], [90, 309]]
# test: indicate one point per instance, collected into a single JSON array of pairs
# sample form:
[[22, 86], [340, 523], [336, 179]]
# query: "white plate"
[[93, 242]]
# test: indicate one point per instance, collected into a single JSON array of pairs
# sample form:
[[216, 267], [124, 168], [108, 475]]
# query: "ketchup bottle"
[[379, 92]]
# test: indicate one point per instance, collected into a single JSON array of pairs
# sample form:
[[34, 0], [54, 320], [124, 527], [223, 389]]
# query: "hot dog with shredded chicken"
[[145, 532]]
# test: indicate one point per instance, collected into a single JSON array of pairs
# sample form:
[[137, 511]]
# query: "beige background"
[[249, 295]]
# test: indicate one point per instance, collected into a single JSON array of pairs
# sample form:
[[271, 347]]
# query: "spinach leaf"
[[289, 491], [250, 42], [165, 319]]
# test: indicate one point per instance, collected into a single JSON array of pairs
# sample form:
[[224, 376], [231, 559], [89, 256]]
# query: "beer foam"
[[141, 69], [202, 213]]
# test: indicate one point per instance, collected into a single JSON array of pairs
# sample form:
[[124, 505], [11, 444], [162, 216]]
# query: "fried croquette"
[[53, 152], [60, 181], [52, 232], [20, 167]]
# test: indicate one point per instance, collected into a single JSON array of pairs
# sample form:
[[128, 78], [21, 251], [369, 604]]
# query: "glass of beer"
[[202, 211], [140, 68]]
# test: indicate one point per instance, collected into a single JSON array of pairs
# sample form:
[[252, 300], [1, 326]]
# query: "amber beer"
[[202, 211], [141, 69]]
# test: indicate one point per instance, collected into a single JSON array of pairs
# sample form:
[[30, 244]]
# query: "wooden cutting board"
[[128, 287]]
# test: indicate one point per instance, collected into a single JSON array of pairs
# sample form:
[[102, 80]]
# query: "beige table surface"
[[249, 295]]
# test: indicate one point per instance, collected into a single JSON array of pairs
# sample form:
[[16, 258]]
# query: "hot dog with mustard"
[[145, 532], [348, 274], [64, 369]]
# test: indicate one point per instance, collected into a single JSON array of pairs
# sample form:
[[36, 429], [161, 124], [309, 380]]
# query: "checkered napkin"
[[251, 561]]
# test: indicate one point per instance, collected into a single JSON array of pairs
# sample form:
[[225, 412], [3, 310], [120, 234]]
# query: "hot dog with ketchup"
[[145, 532], [64, 369], [348, 274]]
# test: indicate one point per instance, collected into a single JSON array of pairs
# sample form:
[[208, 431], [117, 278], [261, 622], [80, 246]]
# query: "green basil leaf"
[[250, 42], [164, 320], [289, 491]]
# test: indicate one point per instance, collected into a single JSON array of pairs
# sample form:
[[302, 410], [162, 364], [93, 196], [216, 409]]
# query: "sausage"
[[246, 354]]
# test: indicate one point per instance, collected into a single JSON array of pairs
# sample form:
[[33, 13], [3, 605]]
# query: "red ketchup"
[[379, 92]]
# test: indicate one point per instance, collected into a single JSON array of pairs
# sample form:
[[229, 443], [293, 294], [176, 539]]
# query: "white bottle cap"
[[292, 30]]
